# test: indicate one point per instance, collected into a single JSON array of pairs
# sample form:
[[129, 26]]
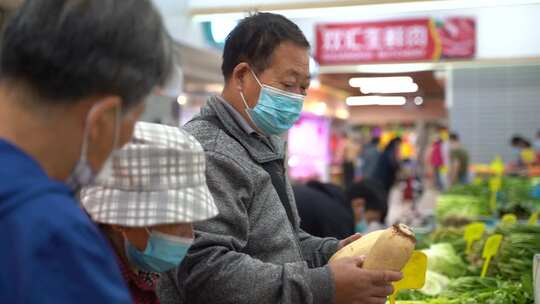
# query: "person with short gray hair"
[[254, 251], [73, 78]]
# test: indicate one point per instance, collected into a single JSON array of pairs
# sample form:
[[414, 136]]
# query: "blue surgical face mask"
[[162, 253], [361, 226], [276, 110]]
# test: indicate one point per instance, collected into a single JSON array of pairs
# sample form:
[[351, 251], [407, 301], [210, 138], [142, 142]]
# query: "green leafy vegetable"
[[461, 206], [486, 290], [520, 243], [451, 235], [442, 258]]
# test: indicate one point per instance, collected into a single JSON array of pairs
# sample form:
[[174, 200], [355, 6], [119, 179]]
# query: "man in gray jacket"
[[254, 250]]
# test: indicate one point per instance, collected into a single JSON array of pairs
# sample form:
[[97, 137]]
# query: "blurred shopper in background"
[[351, 150], [254, 251], [156, 189], [324, 210], [523, 154], [437, 162], [537, 146], [528, 154], [388, 166], [459, 162], [74, 75], [517, 147], [370, 157], [368, 205]]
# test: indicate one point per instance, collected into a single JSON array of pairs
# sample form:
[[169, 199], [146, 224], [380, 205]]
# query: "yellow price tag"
[[414, 274], [509, 219], [490, 250], [473, 232], [497, 166], [495, 184], [534, 218]]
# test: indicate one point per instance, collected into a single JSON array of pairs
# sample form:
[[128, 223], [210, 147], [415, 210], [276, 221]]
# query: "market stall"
[[483, 246]]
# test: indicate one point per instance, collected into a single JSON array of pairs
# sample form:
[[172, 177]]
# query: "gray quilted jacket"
[[250, 252]]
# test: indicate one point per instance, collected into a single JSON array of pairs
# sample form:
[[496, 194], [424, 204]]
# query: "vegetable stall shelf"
[[453, 275]]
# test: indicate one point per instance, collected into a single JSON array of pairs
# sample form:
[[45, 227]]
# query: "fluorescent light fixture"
[[358, 82], [389, 89], [201, 13], [384, 85], [418, 100], [376, 100]]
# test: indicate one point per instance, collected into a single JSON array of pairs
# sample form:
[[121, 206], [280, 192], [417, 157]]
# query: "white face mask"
[[83, 175]]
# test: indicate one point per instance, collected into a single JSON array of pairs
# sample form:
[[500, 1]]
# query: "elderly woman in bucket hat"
[[155, 189]]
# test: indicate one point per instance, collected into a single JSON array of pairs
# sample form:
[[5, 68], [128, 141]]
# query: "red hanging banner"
[[398, 40]]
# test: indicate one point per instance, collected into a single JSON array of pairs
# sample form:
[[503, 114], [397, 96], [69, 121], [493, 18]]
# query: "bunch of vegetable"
[[451, 235], [461, 206], [442, 258], [480, 189], [476, 290], [517, 189], [487, 290], [514, 260], [516, 197]]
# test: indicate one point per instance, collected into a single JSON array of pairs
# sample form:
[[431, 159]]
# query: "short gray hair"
[[67, 50]]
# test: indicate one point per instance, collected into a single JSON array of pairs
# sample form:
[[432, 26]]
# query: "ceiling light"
[[384, 85], [418, 100], [358, 82], [376, 101], [390, 89]]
